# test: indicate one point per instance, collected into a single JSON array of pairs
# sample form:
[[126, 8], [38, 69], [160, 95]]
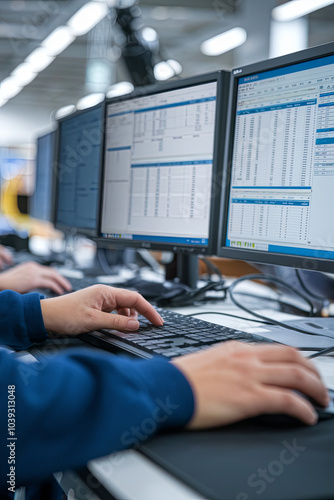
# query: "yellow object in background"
[[9, 207]]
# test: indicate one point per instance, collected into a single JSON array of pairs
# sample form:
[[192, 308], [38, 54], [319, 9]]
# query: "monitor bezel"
[[222, 78], [257, 256], [51, 132], [74, 230]]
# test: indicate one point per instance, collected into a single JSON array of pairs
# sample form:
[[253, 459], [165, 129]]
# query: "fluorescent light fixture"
[[58, 40], [120, 88], [149, 34], [298, 8], [82, 22], [9, 88], [224, 42], [90, 100], [286, 38], [163, 71], [24, 74], [98, 75], [39, 59], [125, 4], [176, 66], [160, 13], [2, 101], [87, 17], [64, 111]]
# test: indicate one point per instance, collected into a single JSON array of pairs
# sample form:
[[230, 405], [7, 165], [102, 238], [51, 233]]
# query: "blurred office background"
[[53, 53]]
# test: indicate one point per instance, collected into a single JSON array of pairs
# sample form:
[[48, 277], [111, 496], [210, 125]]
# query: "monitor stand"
[[184, 267]]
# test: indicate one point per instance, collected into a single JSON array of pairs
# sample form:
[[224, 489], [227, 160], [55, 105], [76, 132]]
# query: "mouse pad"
[[251, 461]]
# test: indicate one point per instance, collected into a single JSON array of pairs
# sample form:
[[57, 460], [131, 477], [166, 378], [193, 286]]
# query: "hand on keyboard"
[[30, 275], [237, 380], [6, 258], [88, 309]]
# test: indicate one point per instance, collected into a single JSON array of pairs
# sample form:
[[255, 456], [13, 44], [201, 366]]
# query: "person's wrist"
[[4, 286], [48, 315]]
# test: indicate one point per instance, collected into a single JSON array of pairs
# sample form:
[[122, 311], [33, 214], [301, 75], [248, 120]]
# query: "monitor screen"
[[78, 171], [280, 162], [161, 164], [41, 201]]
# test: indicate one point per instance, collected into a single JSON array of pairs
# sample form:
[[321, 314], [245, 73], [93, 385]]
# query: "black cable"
[[271, 320], [212, 267], [261, 316], [324, 301], [102, 259], [306, 289], [269, 299], [150, 260], [274, 279], [321, 352], [187, 298], [230, 315], [199, 294]]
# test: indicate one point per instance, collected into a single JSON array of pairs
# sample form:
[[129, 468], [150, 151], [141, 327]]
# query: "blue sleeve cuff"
[[21, 321], [33, 317]]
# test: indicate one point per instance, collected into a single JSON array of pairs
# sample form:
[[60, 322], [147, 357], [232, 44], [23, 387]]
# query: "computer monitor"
[[162, 165], [41, 201], [79, 149], [278, 200]]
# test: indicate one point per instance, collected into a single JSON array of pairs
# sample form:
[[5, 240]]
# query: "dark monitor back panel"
[[278, 200], [41, 202], [80, 138], [162, 164]]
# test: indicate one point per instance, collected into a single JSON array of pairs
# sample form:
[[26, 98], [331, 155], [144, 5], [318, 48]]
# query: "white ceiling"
[[181, 25]]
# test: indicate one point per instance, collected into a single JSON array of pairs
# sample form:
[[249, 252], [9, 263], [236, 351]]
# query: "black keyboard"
[[79, 283], [23, 257], [178, 336]]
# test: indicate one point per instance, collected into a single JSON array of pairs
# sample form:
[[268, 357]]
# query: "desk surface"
[[251, 459], [240, 462], [225, 463]]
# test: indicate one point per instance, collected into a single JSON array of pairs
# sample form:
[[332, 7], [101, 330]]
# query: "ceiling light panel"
[[224, 42], [294, 9], [87, 17]]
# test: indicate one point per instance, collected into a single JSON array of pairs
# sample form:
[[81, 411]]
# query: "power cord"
[[306, 289], [148, 258], [269, 299], [188, 297], [263, 319], [102, 259], [321, 352], [273, 279], [324, 301], [212, 267], [230, 315], [263, 277]]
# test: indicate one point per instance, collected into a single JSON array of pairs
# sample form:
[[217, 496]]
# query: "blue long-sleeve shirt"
[[76, 405]]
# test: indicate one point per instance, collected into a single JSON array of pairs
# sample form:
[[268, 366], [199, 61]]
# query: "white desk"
[[148, 480]]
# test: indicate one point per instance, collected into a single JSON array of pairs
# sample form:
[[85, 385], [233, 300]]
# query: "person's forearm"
[[77, 406]]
